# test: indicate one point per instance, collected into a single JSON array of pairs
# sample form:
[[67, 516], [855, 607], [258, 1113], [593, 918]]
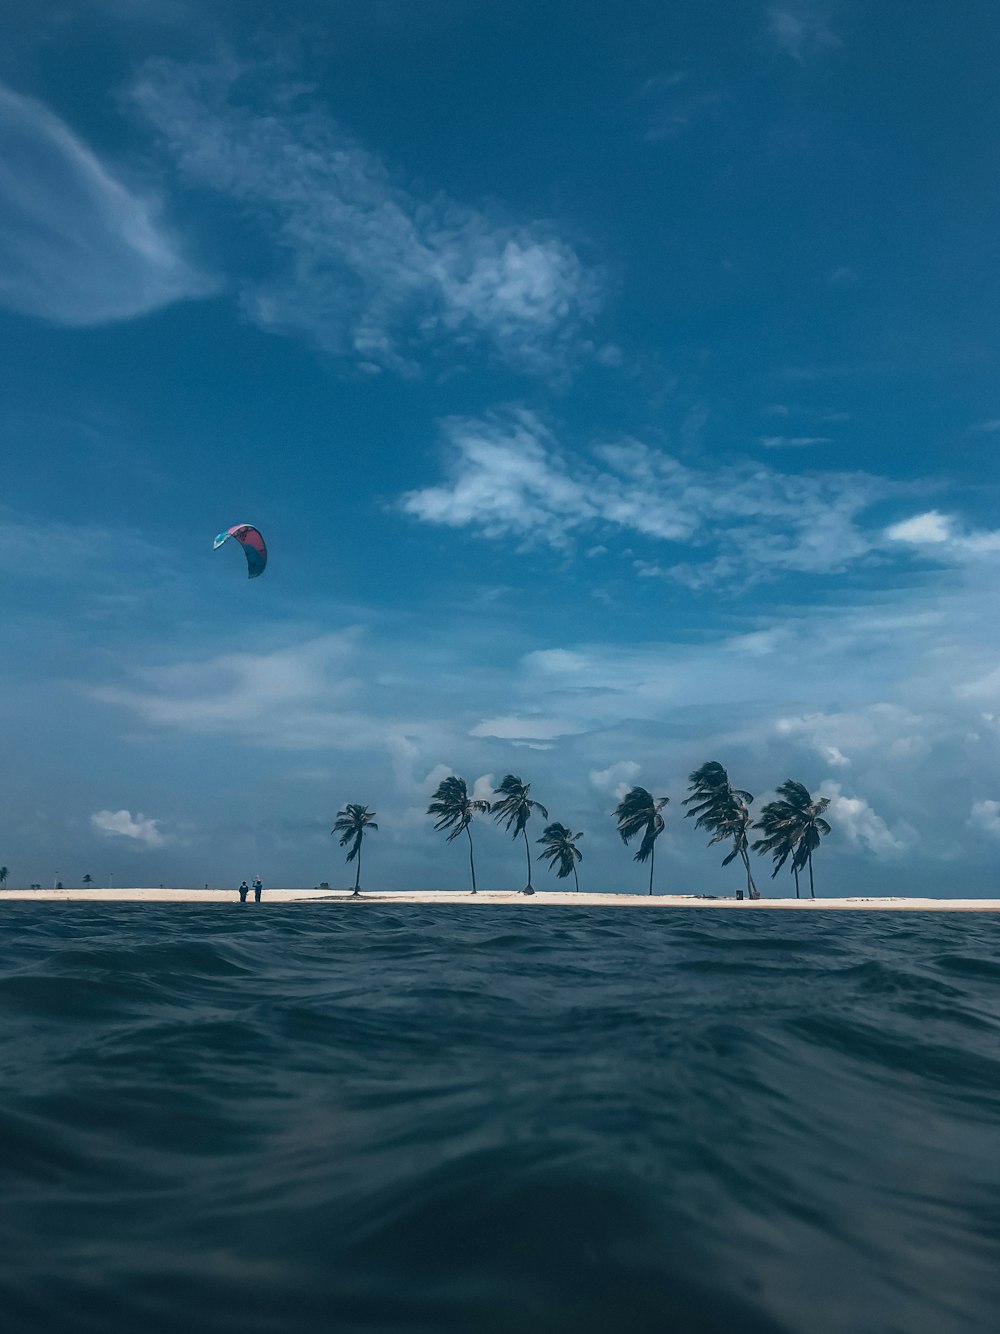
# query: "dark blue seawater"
[[390, 1119]]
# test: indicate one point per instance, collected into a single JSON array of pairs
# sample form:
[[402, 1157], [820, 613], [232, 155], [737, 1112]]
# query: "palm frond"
[[516, 807], [453, 806]]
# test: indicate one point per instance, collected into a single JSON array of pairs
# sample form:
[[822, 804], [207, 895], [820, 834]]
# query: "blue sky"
[[617, 389]]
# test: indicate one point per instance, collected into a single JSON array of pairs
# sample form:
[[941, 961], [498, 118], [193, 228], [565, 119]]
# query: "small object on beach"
[[252, 543]]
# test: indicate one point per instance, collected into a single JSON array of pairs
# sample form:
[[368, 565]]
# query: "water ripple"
[[497, 1120]]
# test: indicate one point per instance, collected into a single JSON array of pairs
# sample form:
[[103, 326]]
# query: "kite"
[[251, 542]]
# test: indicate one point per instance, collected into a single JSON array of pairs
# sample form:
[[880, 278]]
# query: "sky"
[[616, 388]]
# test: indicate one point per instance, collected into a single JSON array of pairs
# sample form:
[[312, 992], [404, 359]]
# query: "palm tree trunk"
[[795, 872], [527, 850], [472, 863], [357, 878], [812, 888], [577, 879], [652, 859], [752, 890]]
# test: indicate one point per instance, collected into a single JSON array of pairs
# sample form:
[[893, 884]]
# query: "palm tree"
[[778, 839], [559, 849], [88, 879], [514, 812], [352, 823], [724, 810], [792, 827], [639, 812], [3, 876], [455, 810]]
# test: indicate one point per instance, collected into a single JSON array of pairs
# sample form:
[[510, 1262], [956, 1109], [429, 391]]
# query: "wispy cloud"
[[793, 441], [800, 28], [76, 246], [532, 729], [70, 552], [296, 698], [508, 477], [672, 103], [122, 824], [989, 427], [367, 268]]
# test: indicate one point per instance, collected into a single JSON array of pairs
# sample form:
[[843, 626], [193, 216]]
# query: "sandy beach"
[[494, 897]]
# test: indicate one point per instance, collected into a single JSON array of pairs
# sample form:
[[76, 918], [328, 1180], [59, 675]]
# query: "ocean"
[[419, 1119]]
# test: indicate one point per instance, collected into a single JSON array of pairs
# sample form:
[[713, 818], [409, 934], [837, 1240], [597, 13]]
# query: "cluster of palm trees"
[[790, 828]]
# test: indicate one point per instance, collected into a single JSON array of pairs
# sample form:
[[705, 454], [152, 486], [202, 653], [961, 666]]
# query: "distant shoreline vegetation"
[[790, 828]]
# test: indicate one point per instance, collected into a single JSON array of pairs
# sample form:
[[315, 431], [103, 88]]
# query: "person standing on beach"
[[244, 891], [257, 887]]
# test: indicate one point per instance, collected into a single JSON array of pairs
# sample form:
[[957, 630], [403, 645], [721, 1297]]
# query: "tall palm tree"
[[455, 810], [724, 811], [559, 849], [638, 812], [792, 827], [352, 823], [3, 876], [88, 879], [513, 811]]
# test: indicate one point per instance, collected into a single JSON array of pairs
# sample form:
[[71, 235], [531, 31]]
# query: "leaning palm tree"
[[559, 850], [638, 812], [3, 876], [792, 828], [724, 811], [513, 811], [777, 825], [88, 879], [352, 823], [455, 810]]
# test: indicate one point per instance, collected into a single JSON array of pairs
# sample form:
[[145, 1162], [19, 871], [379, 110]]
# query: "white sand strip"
[[335, 897]]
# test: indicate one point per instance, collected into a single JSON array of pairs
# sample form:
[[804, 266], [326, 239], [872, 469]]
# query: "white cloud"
[[930, 527], [484, 787], [369, 269], [76, 246], [799, 29], [756, 644], [523, 729], [793, 441], [878, 726], [940, 531], [988, 427], [984, 818], [433, 780], [508, 477], [986, 687], [616, 778], [854, 820], [123, 825]]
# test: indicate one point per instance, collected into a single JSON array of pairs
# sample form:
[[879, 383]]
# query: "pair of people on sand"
[[245, 890]]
